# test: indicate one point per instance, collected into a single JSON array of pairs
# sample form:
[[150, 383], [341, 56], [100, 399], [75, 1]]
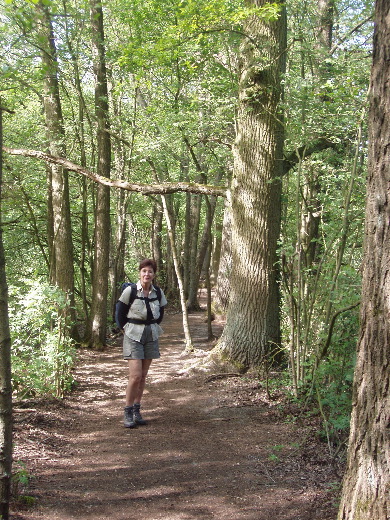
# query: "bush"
[[42, 351]]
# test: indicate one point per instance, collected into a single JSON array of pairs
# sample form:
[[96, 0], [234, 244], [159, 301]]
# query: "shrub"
[[42, 351]]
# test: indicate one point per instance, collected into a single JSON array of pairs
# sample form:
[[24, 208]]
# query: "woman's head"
[[148, 262]]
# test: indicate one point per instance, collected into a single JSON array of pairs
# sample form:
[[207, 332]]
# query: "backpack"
[[133, 296]]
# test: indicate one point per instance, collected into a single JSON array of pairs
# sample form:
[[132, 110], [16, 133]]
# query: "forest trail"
[[212, 449]]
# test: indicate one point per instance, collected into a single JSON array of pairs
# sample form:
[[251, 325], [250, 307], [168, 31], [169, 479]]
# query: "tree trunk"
[[325, 9], [206, 241], [252, 327], [207, 263], [222, 291], [121, 202], [156, 241], [98, 319], [61, 247], [365, 494], [82, 118], [5, 369], [117, 270], [196, 204], [216, 252], [186, 327]]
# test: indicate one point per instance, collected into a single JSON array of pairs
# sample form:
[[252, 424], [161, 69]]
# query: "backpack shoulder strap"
[[133, 294]]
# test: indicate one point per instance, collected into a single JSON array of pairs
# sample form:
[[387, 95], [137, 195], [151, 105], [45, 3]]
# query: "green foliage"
[[173, 85], [20, 474], [20, 482], [42, 352], [334, 380], [273, 458]]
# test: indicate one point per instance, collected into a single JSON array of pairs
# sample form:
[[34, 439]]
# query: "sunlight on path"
[[200, 457]]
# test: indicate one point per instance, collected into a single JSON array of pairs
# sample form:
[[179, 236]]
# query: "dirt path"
[[212, 449]]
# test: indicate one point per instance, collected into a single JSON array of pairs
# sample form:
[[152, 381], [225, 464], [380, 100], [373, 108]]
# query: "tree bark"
[[60, 235], [156, 240], [222, 290], [186, 327], [118, 249], [5, 369], [80, 124], [192, 301], [98, 319], [365, 494], [252, 327], [326, 19]]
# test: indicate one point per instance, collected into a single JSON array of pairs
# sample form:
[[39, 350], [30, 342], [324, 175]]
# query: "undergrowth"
[[42, 351]]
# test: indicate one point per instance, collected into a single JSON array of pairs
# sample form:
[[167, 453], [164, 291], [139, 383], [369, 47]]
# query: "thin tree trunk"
[[98, 319], [62, 271], [79, 124], [186, 327], [196, 204], [156, 241], [5, 367], [121, 201], [118, 250], [216, 253], [222, 291], [204, 243], [207, 263], [167, 207]]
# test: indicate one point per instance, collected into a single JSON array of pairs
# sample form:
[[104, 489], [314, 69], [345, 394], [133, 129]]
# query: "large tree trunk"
[[5, 369], [98, 319], [61, 247], [365, 493], [252, 326]]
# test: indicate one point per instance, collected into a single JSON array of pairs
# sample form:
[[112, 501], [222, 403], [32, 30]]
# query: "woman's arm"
[[160, 318], [121, 310]]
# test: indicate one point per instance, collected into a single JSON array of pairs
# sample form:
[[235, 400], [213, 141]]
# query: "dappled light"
[[213, 448]]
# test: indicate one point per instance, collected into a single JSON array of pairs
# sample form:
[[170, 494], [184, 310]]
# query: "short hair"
[[148, 262]]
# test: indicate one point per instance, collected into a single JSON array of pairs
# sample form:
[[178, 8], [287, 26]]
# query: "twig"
[[214, 377]]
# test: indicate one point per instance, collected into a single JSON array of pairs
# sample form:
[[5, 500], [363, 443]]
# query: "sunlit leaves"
[[42, 353], [167, 29], [33, 2]]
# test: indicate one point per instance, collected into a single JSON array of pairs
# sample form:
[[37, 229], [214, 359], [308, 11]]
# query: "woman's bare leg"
[[138, 370]]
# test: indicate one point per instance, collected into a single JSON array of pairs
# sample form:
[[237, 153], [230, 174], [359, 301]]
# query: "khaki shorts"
[[146, 348]]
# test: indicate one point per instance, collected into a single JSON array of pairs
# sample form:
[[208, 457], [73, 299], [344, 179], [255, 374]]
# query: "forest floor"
[[215, 447]]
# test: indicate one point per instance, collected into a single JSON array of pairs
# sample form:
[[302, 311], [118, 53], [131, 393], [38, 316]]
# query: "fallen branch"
[[162, 188], [214, 377]]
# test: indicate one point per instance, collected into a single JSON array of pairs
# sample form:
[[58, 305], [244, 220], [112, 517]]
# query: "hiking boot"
[[137, 415], [129, 421]]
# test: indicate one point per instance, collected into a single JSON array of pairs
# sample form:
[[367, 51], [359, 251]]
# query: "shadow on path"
[[200, 457]]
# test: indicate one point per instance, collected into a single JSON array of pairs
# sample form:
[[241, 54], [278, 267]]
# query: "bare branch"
[[349, 33], [325, 348], [5, 109], [316, 146], [145, 189]]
